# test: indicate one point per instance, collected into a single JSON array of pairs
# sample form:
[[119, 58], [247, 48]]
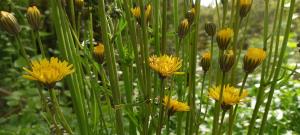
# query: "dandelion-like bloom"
[[165, 65], [136, 12], [226, 61], [9, 23], [34, 17], [224, 37], [174, 105], [230, 95], [245, 6], [48, 72], [253, 58], [183, 28], [205, 61], [99, 53]]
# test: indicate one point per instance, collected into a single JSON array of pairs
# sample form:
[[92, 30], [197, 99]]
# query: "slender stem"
[[22, 49], [280, 61], [212, 64], [58, 111], [40, 44], [218, 13], [161, 112], [164, 27], [202, 89], [225, 6], [222, 121]]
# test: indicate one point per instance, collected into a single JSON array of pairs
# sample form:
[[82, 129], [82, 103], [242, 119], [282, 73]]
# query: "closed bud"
[[190, 15], [136, 12], [245, 6], [226, 61], [205, 61], [224, 37], [9, 23], [34, 17], [210, 28], [253, 58], [99, 53], [183, 28], [79, 3]]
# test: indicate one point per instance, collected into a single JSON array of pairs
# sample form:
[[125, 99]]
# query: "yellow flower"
[[48, 72], [230, 95], [174, 105], [99, 53], [136, 12], [9, 23], [183, 28], [34, 17], [245, 6], [224, 37], [205, 61], [148, 12], [165, 65], [253, 58]]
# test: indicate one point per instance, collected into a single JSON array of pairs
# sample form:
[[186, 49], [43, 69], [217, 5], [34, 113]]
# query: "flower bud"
[[34, 17], [253, 58], [99, 53], [136, 12], [224, 37], [190, 15], [79, 3], [205, 61], [226, 61], [245, 6], [210, 29], [9, 23], [183, 28]]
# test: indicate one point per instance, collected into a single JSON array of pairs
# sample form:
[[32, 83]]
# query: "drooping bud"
[[34, 17], [205, 61], [245, 6], [183, 28], [224, 37], [210, 28], [99, 53], [226, 61], [9, 23], [253, 58]]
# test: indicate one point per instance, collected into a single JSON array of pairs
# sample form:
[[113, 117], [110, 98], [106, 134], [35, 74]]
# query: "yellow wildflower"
[[183, 28], [34, 17], [224, 37], [48, 72], [230, 95], [245, 6], [226, 61], [205, 61], [174, 105], [165, 65], [99, 53], [253, 58], [136, 12]]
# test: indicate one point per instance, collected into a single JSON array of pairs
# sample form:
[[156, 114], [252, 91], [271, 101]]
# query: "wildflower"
[[183, 28], [9, 23], [34, 17], [205, 61], [79, 3], [136, 12], [224, 37], [231, 95], [226, 61], [174, 105], [165, 65], [48, 72], [253, 58], [245, 6], [190, 15], [210, 29], [99, 53]]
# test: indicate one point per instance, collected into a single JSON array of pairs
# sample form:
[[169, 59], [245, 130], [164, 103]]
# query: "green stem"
[[40, 44], [218, 13], [161, 112], [280, 61], [225, 6], [58, 111], [164, 27], [22, 50], [222, 121]]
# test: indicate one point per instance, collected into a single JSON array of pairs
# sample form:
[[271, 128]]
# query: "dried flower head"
[[165, 65], [253, 58], [48, 72], [183, 28], [245, 6], [205, 61], [224, 37], [226, 61], [99, 53], [231, 95], [9, 23], [210, 28], [34, 17], [174, 105]]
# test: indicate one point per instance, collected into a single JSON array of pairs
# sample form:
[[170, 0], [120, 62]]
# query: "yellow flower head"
[[34, 17], [226, 61], [165, 65], [48, 72], [99, 53], [9, 23], [253, 58], [205, 61], [245, 6], [174, 105], [183, 28], [230, 95], [224, 37], [148, 11], [136, 12]]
